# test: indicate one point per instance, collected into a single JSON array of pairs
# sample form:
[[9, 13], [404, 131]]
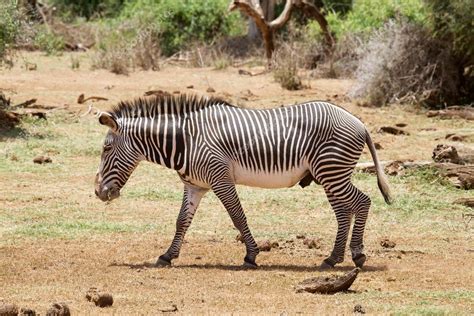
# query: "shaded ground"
[[57, 240]]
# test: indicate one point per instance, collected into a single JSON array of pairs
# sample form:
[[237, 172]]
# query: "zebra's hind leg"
[[191, 198], [360, 208], [227, 194], [343, 216]]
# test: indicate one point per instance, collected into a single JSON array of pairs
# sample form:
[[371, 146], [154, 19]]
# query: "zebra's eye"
[[107, 148]]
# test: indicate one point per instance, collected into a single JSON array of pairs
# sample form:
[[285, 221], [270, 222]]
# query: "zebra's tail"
[[381, 178]]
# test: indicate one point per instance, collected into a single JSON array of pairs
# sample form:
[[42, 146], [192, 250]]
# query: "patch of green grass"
[[72, 229]]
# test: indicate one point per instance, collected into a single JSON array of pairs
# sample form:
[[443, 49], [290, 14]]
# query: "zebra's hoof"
[[163, 261], [326, 265], [249, 265], [359, 260]]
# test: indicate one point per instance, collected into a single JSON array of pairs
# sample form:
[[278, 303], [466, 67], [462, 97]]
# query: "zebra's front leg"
[[191, 198], [227, 194], [343, 217]]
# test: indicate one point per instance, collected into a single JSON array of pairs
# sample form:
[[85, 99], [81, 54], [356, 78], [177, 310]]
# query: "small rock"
[[176, 92], [359, 309], [445, 153], [210, 90], [198, 257], [190, 86], [103, 300], [378, 146], [391, 279], [58, 309], [244, 72], [27, 312], [386, 243], [42, 159], [300, 236], [9, 310], [98, 298], [401, 125], [392, 130], [171, 309], [265, 246], [312, 243]]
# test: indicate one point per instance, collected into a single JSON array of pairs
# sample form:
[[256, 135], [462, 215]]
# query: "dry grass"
[[57, 240], [285, 67], [119, 54], [403, 63]]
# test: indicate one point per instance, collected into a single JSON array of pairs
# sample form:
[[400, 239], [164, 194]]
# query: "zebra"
[[213, 145]]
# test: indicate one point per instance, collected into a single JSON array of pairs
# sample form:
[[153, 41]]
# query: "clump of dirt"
[[312, 243], [328, 284], [9, 310], [267, 245], [392, 130], [359, 309], [27, 312], [387, 243], [58, 309], [42, 159], [100, 299]]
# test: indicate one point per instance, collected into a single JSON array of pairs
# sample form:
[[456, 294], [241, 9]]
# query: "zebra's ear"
[[107, 119]]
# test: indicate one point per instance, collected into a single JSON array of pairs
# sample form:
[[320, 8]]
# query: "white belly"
[[283, 179]]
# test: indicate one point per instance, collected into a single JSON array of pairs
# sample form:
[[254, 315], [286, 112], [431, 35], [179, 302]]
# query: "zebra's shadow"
[[261, 267]]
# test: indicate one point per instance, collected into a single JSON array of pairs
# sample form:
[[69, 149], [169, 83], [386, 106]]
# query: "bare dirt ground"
[[57, 240]]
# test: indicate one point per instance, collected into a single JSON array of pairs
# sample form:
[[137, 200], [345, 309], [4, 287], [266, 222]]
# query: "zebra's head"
[[118, 160]]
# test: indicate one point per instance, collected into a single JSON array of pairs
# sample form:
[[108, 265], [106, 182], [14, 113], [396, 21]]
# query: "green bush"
[[70, 9], [9, 29], [452, 21], [369, 15], [49, 42], [181, 22]]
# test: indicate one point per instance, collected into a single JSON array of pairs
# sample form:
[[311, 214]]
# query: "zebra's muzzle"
[[107, 194]]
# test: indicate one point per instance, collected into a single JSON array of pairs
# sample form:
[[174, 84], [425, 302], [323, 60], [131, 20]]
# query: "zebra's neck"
[[158, 139]]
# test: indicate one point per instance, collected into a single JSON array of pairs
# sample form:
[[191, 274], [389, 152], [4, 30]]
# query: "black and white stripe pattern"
[[214, 146]]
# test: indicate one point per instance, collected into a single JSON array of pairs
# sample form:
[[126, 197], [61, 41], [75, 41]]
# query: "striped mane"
[[155, 105]]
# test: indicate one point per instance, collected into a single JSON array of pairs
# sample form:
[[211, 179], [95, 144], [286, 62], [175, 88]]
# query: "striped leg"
[[191, 198], [343, 217], [361, 210], [227, 194]]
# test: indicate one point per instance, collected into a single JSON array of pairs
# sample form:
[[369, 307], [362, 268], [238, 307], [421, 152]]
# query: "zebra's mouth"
[[108, 194]]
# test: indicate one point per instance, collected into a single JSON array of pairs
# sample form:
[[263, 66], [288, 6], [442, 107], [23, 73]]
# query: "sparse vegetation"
[[285, 68], [404, 63], [9, 30], [49, 42]]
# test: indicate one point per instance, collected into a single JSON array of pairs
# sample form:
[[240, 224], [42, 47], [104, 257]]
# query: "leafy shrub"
[[404, 63], [9, 30], [49, 42], [452, 22], [180, 22], [369, 15]]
